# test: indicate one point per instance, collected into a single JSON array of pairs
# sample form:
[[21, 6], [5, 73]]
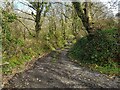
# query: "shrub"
[[101, 49]]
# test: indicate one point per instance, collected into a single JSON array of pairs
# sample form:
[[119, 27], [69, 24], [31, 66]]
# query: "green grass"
[[25, 53], [108, 70]]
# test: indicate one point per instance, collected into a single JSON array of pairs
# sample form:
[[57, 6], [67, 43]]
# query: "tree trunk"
[[38, 18], [82, 15], [74, 25]]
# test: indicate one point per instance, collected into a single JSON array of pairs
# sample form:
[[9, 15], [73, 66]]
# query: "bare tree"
[[40, 9]]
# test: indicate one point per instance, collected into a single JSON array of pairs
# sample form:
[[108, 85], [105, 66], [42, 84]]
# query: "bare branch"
[[62, 4], [26, 18], [28, 5], [23, 11], [6, 63], [26, 13], [65, 15], [25, 27]]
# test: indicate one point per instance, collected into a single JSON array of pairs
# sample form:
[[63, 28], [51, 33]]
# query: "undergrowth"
[[20, 55], [101, 52], [16, 49]]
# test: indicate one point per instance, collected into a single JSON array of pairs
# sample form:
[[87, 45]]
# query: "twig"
[[6, 63], [26, 18], [26, 13], [28, 5], [25, 27]]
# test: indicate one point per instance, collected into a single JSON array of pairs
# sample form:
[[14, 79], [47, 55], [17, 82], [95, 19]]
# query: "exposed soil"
[[55, 70]]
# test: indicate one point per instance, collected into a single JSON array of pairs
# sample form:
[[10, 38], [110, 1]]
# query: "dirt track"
[[56, 71]]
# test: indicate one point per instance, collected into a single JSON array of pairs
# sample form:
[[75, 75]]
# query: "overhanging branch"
[[26, 18], [28, 5], [25, 27], [26, 13], [23, 12]]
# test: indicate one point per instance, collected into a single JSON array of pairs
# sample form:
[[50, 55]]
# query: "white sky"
[[23, 7]]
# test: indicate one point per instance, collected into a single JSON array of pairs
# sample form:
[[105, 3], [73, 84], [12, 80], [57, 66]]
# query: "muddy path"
[[55, 70]]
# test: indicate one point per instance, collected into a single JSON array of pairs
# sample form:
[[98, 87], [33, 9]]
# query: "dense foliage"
[[102, 49]]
